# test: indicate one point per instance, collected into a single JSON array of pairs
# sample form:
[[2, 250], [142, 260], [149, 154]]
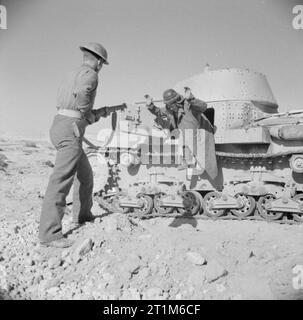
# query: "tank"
[[259, 155]]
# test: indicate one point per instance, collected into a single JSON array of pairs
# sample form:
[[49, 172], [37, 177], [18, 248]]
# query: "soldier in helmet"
[[185, 114], [75, 101]]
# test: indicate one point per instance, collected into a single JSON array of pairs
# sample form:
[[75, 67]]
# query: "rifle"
[[80, 125]]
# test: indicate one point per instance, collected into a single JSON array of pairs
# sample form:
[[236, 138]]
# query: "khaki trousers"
[[71, 165]]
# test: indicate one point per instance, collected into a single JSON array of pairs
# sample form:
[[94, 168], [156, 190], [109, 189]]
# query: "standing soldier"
[[74, 103], [185, 114]]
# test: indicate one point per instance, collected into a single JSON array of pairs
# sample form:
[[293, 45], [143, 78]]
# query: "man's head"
[[172, 99], [95, 55]]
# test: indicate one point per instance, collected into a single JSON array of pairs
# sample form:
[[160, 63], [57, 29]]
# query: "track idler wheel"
[[248, 208], [262, 206], [209, 198], [157, 205], [192, 203], [147, 207], [298, 216]]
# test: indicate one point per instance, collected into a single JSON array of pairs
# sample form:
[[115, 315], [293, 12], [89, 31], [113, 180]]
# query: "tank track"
[[286, 219], [256, 155], [229, 216]]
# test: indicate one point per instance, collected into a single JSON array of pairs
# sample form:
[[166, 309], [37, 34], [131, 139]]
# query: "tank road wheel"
[[248, 208], [268, 215], [200, 198], [207, 203], [148, 205], [191, 203], [298, 216], [157, 205]]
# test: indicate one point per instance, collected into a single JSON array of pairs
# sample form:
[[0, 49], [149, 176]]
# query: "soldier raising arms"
[[185, 114]]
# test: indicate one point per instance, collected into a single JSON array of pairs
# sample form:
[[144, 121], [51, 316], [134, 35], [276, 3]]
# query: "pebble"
[[48, 163], [82, 249], [195, 258], [54, 262]]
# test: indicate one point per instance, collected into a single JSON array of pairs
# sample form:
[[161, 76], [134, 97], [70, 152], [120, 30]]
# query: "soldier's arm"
[[156, 111], [87, 84], [198, 105]]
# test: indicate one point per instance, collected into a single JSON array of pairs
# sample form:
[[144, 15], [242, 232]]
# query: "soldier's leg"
[[58, 187], [83, 189]]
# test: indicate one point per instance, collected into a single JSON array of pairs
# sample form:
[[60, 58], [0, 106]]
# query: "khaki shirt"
[[78, 91]]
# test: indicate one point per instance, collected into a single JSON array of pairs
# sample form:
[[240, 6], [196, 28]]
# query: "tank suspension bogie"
[[299, 216], [158, 204]]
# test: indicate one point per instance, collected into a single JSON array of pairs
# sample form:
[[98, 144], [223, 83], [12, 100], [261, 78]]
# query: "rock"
[[65, 253], [82, 249], [214, 271], [48, 163], [195, 258], [29, 262], [47, 284], [98, 220], [53, 291], [54, 262]]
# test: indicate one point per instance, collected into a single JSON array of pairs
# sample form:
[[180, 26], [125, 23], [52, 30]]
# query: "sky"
[[152, 45]]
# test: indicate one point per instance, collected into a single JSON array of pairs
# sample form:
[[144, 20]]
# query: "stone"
[[195, 258], [82, 249], [214, 271], [65, 253], [48, 163], [54, 262], [53, 291]]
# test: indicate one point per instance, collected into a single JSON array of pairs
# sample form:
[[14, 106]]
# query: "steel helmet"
[[170, 96], [97, 49]]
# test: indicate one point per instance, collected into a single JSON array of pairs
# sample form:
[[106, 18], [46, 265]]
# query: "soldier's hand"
[[149, 99], [188, 94]]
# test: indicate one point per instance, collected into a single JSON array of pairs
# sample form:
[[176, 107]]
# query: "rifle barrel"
[[144, 102]]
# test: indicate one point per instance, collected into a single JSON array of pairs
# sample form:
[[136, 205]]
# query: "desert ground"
[[118, 257]]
